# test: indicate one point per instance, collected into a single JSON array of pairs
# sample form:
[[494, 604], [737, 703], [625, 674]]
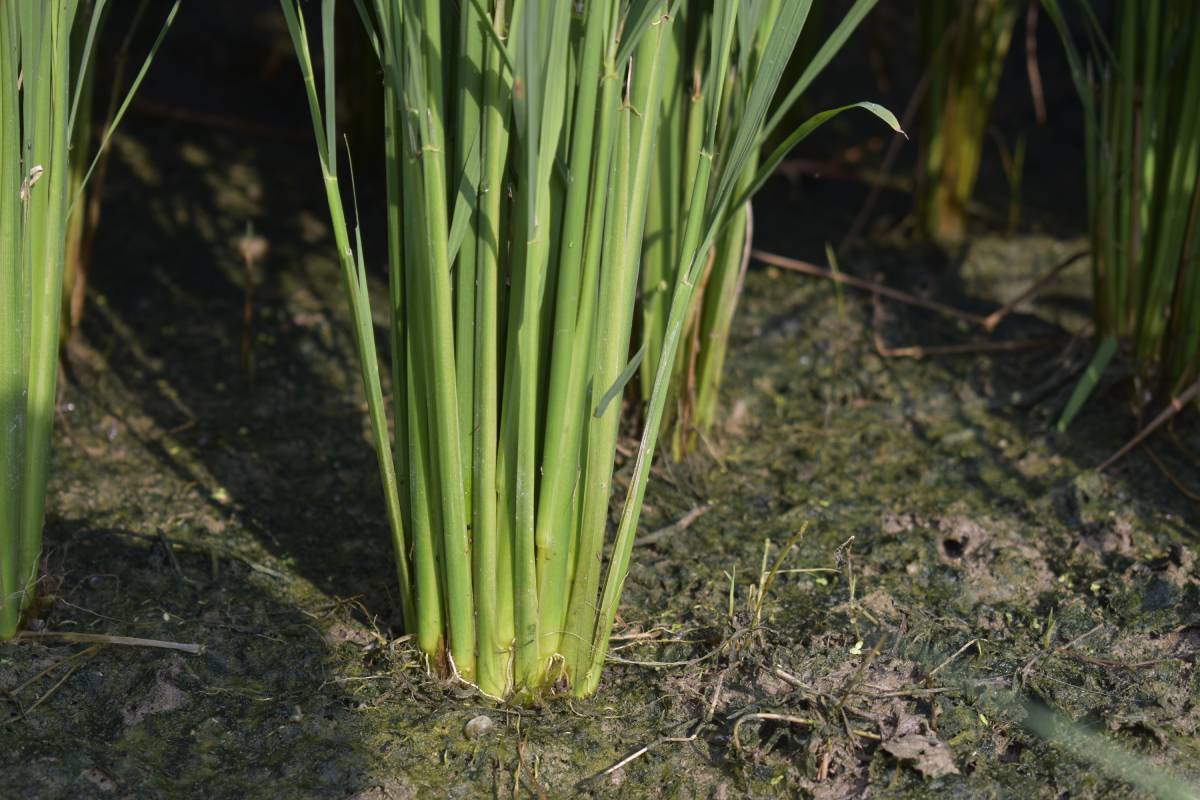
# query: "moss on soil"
[[971, 522]]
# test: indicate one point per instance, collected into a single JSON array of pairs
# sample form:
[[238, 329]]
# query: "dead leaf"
[[343, 633], [102, 779], [932, 755], [165, 696], [739, 418]]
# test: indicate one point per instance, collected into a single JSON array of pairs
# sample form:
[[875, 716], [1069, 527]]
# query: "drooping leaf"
[[824, 55], [799, 135]]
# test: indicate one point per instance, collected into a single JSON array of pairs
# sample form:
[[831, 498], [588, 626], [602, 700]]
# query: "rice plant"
[[700, 366], [520, 153], [1141, 97], [39, 99], [965, 74]]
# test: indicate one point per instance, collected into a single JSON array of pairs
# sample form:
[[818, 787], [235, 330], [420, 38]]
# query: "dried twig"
[[1166, 472], [1049, 650], [918, 352], [861, 669], [24, 712], [1177, 405], [777, 717], [731, 639], [841, 277], [1031, 64], [521, 762], [677, 527], [994, 318], [1104, 662], [961, 650], [97, 638], [641, 752]]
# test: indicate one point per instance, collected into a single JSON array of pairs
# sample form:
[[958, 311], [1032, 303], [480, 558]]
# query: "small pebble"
[[296, 715], [478, 727]]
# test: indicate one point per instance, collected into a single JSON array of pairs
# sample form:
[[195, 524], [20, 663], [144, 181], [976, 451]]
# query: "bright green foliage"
[[1141, 98], [964, 44], [34, 49], [685, 117], [521, 156], [39, 98], [1091, 376]]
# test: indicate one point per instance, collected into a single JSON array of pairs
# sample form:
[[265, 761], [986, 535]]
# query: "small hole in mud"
[[954, 548], [1012, 754]]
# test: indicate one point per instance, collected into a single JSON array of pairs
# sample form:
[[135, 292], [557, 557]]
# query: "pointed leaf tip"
[[885, 115]]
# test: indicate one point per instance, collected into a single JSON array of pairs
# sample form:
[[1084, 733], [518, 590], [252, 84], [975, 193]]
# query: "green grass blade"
[[497, 42], [585, 648], [822, 58], [622, 380], [783, 37], [97, 17], [444, 418], [800, 134], [354, 278], [637, 22], [1087, 383], [595, 484], [775, 57], [465, 223], [137, 81], [328, 67], [369, 26], [12, 361], [521, 388], [492, 570], [45, 235], [400, 361], [578, 264], [468, 193]]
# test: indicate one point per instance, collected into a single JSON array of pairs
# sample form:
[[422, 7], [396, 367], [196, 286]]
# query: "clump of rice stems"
[[700, 365], [520, 153], [40, 95], [963, 82], [1141, 99]]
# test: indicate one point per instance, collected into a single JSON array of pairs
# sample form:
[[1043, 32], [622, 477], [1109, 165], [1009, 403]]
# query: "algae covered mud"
[[243, 521], [961, 567]]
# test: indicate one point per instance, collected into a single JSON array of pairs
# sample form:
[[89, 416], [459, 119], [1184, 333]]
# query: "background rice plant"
[[40, 95], [1140, 88], [520, 158], [964, 76]]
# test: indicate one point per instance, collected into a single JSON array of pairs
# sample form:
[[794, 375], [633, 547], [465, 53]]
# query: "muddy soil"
[[961, 566]]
